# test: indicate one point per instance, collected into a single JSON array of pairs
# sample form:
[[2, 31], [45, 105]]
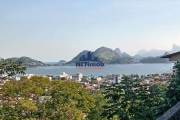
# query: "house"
[[3, 76], [64, 76], [77, 77], [112, 76], [29, 75], [98, 79], [173, 56], [43, 98], [17, 78]]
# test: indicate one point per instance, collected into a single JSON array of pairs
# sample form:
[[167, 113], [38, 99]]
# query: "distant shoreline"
[[48, 65]]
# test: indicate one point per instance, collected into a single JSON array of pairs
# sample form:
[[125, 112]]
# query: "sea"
[[127, 69]]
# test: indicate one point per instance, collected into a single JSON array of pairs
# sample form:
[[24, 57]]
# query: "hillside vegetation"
[[28, 62]]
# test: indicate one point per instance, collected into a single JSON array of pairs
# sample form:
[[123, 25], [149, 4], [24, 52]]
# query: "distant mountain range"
[[154, 60], [155, 53], [108, 56]]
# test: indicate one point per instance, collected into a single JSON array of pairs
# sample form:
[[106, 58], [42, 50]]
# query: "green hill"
[[14, 59], [28, 62], [75, 59], [122, 60], [105, 55], [124, 54]]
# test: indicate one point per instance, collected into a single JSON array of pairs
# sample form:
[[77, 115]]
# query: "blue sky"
[[51, 30]]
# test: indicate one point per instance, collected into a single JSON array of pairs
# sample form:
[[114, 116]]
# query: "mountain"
[[110, 56], [152, 53], [124, 54], [75, 59], [175, 48], [61, 62], [166, 53], [118, 51], [137, 56], [155, 53], [105, 55], [28, 62], [154, 60], [142, 51], [14, 59], [122, 60]]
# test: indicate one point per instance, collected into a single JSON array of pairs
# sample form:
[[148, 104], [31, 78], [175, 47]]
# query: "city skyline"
[[55, 30]]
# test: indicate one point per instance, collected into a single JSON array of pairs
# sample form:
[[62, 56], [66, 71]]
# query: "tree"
[[69, 101], [133, 100], [11, 68], [96, 111], [173, 93], [40, 98]]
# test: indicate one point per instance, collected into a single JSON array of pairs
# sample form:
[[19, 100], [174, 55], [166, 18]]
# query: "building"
[[2, 76], [173, 56], [17, 78], [43, 98], [64, 76], [99, 79], [112, 76], [77, 77], [117, 79], [29, 75]]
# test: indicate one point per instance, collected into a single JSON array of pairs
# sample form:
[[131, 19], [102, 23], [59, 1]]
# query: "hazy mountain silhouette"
[[118, 51], [124, 54], [137, 56], [175, 48], [154, 52]]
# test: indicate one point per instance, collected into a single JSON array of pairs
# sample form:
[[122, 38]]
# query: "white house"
[[43, 98], [29, 75], [3, 75], [50, 78], [64, 76], [18, 78], [173, 56], [98, 78], [77, 77]]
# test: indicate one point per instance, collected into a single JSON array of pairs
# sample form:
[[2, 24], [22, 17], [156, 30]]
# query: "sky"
[[53, 30]]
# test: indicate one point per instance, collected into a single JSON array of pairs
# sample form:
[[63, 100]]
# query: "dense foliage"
[[40, 98], [173, 93], [133, 100]]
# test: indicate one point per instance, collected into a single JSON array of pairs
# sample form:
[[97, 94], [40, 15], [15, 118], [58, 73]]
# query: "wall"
[[172, 114], [175, 57]]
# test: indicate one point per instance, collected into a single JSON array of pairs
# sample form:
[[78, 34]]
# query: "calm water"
[[127, 69]]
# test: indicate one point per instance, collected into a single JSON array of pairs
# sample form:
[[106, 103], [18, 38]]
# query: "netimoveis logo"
[[89, 60]]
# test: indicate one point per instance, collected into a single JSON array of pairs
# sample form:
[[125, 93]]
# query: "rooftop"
[[170, 55]]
